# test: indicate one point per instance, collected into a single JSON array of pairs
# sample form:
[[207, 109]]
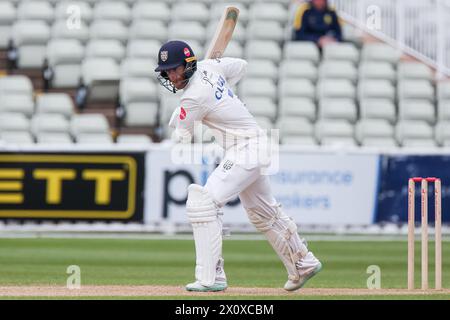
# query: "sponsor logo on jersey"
[[220, 87], [182, 114], [227, 165]]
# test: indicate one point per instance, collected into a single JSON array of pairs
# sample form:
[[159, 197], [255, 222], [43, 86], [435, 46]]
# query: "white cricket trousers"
[[231, 179]]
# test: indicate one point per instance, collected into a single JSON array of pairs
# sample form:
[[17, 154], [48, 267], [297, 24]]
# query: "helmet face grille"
[[163, 78], [190, 69], [166, 83]]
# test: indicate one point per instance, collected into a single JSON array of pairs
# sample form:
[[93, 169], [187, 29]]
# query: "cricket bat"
[[223, 33]]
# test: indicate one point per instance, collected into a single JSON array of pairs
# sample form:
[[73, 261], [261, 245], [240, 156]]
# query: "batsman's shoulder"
[[193, 97], [208, 62], [219, 61]]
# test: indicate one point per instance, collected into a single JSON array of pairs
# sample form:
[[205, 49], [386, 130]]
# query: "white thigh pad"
[[281, 232], [203, 216]]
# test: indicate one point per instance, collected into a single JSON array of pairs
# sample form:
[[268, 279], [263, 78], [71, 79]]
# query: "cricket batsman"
[[208, 98]]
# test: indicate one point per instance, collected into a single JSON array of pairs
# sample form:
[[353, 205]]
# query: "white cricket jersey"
[[208, 98]]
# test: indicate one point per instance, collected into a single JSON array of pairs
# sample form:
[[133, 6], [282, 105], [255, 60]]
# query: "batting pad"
[[203, 216], [281, 232]]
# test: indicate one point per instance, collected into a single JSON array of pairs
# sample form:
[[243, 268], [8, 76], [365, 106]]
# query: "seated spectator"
[[316, 21]]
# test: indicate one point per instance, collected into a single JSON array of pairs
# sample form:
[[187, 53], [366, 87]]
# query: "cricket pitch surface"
[[150, 291]]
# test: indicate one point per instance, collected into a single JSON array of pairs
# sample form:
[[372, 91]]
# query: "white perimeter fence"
[[420, 28]]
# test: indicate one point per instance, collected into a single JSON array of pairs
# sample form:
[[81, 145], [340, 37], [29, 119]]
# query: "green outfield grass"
[[171, 262]]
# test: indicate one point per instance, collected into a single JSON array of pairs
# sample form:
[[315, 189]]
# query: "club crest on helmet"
[[164, 55]]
